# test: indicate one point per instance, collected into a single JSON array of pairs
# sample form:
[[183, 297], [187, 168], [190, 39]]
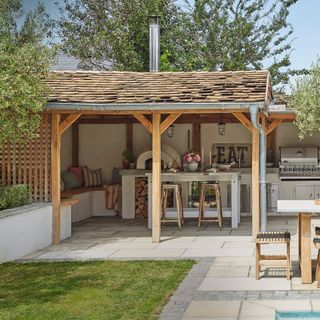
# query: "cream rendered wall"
[[235, 133], [141, 139], [101, 146], [287, 136], [66, 151], [179, 141]]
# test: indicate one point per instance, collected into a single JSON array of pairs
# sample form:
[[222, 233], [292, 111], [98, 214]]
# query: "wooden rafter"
[[144, 121], [273, 125], [68, 121], [283, 116], [171, 118], [243, 119]]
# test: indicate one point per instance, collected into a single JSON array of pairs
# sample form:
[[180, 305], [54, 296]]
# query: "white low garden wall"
[[24, 230]]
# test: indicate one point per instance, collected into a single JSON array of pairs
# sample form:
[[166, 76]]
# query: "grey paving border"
[[186, 291], [256, 295]]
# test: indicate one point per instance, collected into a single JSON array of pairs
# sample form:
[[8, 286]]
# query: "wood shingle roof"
[[163, 87]]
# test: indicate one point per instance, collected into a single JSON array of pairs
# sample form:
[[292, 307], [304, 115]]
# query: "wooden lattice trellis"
[[29, 163]]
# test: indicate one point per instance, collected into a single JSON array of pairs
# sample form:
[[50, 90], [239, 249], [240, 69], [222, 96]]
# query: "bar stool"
[[264, 238], [204, 188], [177, 194]]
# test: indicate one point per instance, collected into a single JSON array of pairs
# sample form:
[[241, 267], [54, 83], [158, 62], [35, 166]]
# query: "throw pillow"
[[70, 180], [79, 174], [92, 178]]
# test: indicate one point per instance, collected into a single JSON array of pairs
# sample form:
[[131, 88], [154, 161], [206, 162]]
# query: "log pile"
[[141, 198]]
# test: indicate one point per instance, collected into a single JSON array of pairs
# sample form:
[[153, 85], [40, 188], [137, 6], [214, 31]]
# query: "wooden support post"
[[196, 137], [156, 177], [75, 145], [305, 246], [129, 130], [255, 188], [55, 177]]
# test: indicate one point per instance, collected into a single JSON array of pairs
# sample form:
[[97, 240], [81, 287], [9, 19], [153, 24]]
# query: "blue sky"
[[304, 17]]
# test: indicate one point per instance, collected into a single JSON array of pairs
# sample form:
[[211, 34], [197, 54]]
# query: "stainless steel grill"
[[299, 164]]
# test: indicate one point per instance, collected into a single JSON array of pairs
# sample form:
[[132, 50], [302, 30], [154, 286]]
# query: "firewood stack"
[[141, 198]]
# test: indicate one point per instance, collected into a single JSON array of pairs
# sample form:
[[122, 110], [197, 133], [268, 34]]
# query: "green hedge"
[[13, 196]]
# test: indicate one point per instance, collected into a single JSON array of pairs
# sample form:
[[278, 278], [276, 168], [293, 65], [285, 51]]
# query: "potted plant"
[[128, 159], [192, 159]]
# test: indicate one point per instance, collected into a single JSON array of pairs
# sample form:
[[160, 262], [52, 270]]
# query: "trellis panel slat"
[[29, 163]]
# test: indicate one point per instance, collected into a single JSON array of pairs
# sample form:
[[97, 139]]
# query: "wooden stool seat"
[[177, 194], [204, 188], [266, 238]]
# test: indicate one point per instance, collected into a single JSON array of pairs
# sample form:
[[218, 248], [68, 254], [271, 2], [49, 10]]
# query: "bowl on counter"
[[269, 164]]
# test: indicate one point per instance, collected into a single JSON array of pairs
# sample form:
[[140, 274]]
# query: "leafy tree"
[[197, 35], [24, 64], [305, 101], [241, 35], [100, 32]]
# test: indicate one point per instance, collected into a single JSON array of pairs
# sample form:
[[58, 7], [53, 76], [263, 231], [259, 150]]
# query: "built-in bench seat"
[[72, 192], [91, 202]]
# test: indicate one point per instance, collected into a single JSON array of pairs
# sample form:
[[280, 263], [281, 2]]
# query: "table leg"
[[305, 247], [235, 203]]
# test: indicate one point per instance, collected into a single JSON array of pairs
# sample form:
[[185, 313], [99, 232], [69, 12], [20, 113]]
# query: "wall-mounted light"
[[170, 131], [221, 126]]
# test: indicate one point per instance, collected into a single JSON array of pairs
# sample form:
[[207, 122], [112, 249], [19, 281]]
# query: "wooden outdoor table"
[[305, 208]]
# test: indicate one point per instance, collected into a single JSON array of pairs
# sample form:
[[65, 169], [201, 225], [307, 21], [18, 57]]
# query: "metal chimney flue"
[[154, 43]]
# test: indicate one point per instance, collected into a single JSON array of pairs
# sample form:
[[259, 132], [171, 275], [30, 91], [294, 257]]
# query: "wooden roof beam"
[[144, 121], [273, 125], [68, 121], [244, 120], [165, 124]]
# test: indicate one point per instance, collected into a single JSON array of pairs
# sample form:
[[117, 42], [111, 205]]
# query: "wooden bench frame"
[[273, 260]]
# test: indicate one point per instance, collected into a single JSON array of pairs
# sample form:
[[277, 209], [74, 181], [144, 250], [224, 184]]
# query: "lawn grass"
[[88, 290]]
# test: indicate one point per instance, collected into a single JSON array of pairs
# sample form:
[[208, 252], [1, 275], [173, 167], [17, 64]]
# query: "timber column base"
[[304, 230]]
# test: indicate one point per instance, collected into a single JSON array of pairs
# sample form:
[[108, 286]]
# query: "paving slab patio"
[[221, 285]]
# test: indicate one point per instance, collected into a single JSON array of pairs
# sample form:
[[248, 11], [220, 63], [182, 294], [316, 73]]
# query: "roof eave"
[[173, 106]]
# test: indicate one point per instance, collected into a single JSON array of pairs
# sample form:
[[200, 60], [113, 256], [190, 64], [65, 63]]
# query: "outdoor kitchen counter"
[[228, 176]]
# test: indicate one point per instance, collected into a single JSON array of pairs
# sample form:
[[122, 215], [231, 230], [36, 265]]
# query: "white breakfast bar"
[[231, 177]]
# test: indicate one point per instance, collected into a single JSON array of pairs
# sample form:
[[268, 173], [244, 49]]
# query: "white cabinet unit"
[[272, 196], [306, 192]]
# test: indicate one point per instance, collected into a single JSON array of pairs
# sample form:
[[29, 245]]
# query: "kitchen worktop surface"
[[142, 172]]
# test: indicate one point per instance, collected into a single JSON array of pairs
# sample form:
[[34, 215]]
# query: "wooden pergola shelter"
[[156, 100]]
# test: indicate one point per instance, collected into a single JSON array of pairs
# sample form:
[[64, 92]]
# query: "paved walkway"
[[221, 285]]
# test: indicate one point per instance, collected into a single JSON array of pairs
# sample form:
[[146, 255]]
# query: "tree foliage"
[[100, 32], [242, 35], [205, 35], [24, 64], [305, 101]]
